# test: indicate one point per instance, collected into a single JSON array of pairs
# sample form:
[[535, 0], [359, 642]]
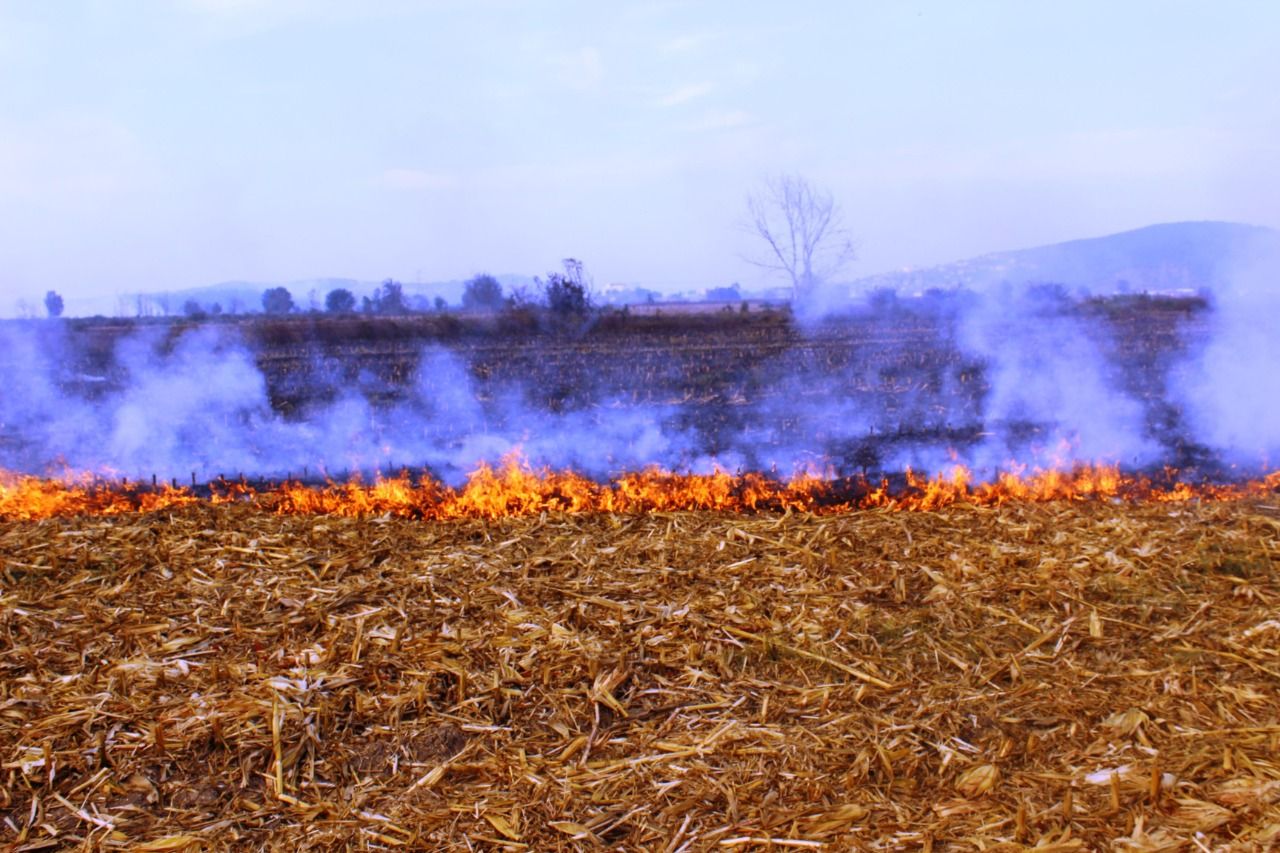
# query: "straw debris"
[[1053, 676]]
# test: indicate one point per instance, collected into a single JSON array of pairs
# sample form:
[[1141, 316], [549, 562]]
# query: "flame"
[[26, 498], [515, 488]]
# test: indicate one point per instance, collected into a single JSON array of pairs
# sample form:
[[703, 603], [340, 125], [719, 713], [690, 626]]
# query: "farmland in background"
[[897, 360]]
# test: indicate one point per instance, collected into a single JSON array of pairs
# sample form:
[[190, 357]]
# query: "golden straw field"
[[1070, 675]]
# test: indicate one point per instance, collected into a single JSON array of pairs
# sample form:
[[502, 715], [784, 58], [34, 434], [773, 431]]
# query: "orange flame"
[[514, 488]]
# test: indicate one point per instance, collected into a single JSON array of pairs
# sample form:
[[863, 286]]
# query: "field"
[[540, 661], [743, 386], [1069, 676]]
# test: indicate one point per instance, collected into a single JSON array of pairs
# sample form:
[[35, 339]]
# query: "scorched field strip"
[[1077, 675]]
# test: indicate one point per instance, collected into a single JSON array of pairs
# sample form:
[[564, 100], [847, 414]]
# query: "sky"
[[150, 145]]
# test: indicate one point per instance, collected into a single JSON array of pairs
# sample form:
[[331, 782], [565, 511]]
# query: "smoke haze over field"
[[1023, 378], [203, 408], [1230, 384]]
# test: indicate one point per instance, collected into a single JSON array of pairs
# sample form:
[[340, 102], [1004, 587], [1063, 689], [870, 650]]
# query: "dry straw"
[[1056, 676]]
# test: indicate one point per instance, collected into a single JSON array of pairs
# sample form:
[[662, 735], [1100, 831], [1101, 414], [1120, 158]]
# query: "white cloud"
[[263, 9], [21, 39], [228, 7], [613, 169], [686, 43], [1122, 155], [723, 120], [240, 18], [66, 158], [416, 179], [582, 69], [686, 93]]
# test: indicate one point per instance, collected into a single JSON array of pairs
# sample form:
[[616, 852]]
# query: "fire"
[[514, 488], [26, 498]]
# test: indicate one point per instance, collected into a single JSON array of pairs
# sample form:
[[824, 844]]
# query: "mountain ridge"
[[1163, 257]]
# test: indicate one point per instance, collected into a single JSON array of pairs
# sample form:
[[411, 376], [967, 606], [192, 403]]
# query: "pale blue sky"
[[160, 145]]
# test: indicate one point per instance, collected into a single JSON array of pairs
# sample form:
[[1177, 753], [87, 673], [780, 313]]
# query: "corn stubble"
[[1059, 675]]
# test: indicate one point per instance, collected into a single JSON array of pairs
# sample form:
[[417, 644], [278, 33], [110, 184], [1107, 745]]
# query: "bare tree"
[[803, 231]]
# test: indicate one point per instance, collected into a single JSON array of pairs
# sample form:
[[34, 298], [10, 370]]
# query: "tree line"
[[564, 293]]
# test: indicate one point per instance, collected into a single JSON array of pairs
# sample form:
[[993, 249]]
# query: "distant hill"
[[1158, 258]]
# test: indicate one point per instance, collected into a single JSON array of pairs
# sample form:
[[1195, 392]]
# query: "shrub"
[[390, 298], [567, 293], [277, 300], [482, 293], [387, 299], [340, 301]]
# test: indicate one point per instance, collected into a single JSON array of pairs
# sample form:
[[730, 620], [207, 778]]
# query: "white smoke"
[[1229, 386], [990, 382], [1045, 371], [202, 408]]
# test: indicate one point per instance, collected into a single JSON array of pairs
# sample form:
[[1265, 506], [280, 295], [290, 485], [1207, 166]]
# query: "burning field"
[[1067, 674], [732, 586]]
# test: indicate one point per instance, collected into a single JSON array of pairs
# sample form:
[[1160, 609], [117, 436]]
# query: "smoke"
[[1229, 386], [200, 406], [1015, 377], [1053, 397], [1232, 393], [1072, 381]]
